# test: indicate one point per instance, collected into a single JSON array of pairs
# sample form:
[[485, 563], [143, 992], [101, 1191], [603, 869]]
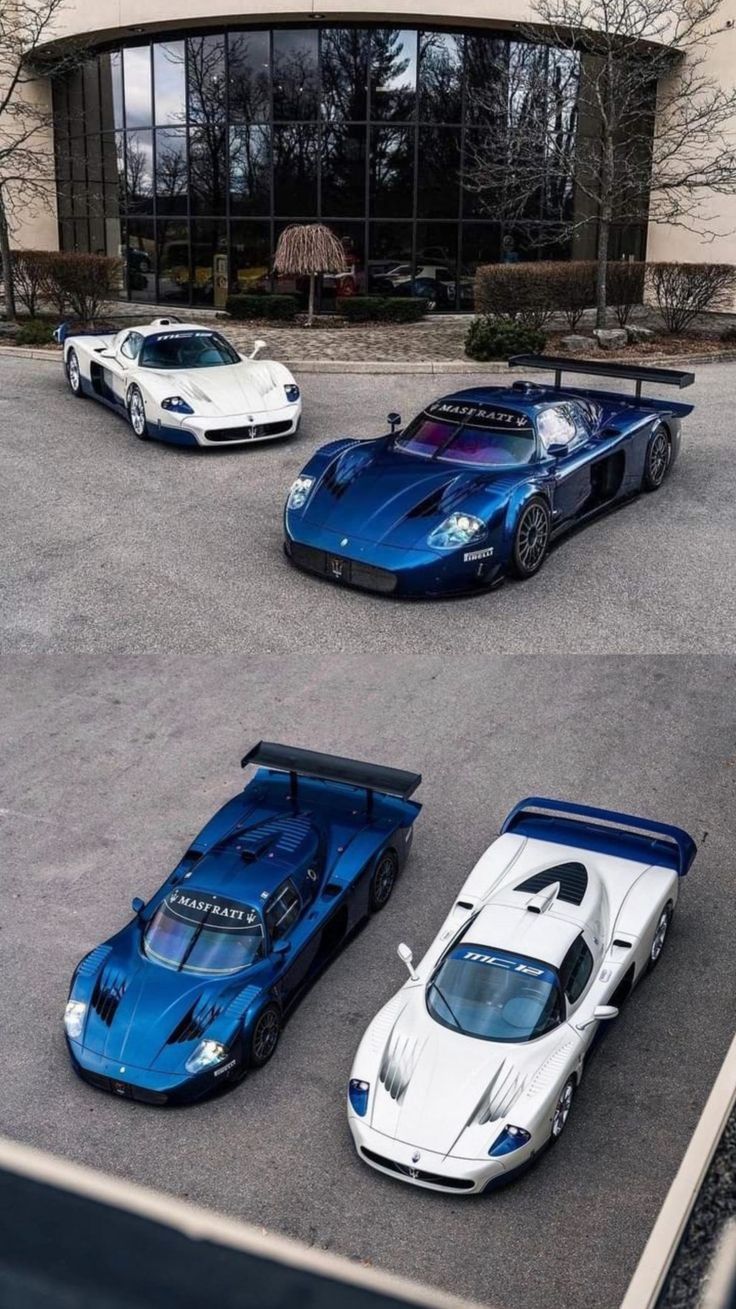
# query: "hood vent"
[[284, 835], [194, 1023], [107, 994], [397, 1067], [572, 877], [503, 1092]]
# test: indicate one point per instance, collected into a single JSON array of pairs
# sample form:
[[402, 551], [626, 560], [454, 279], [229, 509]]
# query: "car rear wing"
[[332, 768], [638, 373], [603, 830]]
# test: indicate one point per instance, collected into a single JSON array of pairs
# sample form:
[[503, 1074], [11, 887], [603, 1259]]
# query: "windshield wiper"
[[454, 434], [446, 1003], [195, 937]]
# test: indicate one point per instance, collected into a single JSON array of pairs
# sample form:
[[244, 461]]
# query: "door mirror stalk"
[[405, 955], [601, 1014]]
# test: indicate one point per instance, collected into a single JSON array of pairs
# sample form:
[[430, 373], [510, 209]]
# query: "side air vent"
[[625, 945], [464, 904], [107, 994], [572, 877], [194, 1023]]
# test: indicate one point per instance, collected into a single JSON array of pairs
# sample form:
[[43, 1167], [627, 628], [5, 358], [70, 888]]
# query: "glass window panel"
[[140, 259], [435, 273], [441, 77], [390, 256], [139, 171], [95, 177], [172, 258], [250, 170], [92, 109], [97, 236], [206, 70], [250, 257], [336, 287], [208, 168], [295, 74], [171, 170], [81, 236], [76, 103], [208, 239], [486, 70], [137, 83], [113, 166], [480, 244], [113, 243], [79, 178], [111, 90], [438, 172], [345, 54], [295, 170], [393, 74], [169, 81], [249, 71], [343, 171], [392, 171], [67, 235]]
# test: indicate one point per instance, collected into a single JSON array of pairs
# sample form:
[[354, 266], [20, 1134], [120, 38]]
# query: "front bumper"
[[433, 1171], [145, 1084], [389, 570], [236, 429]]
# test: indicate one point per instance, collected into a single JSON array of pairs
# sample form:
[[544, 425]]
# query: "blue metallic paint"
[[610, 832], [366, 503], [133, 1053]]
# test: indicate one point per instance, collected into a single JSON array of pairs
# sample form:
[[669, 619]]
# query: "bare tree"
[[606, 115], [27, 173]]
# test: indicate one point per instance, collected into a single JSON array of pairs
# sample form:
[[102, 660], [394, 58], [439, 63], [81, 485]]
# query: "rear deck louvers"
[[572, 877]]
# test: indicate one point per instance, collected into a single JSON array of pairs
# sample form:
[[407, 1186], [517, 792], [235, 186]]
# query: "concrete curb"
[[654, 1265], [434, 367]]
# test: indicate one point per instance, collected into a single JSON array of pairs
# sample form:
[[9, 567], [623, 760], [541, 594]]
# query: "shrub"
[[30, 268], [683, 291], [498, 338], [35, 332], [575, 288], [531, 293], [79, 282], [265, 304], [624, 287], [382, 309]]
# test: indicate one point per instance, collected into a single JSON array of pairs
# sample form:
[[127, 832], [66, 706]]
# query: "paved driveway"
[[117, 546]]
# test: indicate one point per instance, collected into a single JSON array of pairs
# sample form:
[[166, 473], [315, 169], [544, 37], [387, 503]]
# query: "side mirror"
[[557, 449], [405, 955], [394, 421], [137, 905], [282, 947], [257, 347], [601, 1014]]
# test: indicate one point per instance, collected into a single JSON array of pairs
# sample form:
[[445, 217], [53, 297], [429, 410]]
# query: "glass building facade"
[[187, 158]]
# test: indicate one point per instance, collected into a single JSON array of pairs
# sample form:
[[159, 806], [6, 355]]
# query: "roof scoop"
[[540, 903]]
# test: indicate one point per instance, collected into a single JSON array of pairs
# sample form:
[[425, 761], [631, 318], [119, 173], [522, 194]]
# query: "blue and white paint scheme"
[[194, 990], [471, 1069], [185, 384], [480, 483]]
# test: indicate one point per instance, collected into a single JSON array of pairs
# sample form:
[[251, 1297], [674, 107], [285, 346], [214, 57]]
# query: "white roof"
[[546, 936]]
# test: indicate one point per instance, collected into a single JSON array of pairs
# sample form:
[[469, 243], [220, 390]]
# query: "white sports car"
[[471, 1069], [186, 384]]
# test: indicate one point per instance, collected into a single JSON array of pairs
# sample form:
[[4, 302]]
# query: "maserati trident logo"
[[337, 567], [414, 1173], [252, 431]]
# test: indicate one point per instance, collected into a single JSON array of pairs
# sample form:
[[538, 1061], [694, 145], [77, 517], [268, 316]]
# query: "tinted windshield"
[[197, 932], [494, 995], [470, 434], [187, 350]]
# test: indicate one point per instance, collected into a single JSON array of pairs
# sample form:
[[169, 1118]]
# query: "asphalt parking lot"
[[115, 546], [112, 764]]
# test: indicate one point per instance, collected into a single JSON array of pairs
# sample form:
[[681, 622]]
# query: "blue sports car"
[[481, 482], [194, 990]]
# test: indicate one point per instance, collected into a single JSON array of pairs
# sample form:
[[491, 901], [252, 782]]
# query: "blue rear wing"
[[602, 830]]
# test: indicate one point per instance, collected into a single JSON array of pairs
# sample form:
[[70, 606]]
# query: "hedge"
[[498, 338], [67, 280], [265, 304], [531, 293], [382, 309]]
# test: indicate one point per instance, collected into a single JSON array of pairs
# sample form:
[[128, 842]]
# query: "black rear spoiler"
[[332, 768], [595, 368]]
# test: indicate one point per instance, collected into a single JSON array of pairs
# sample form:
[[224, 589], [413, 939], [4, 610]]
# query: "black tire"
[[531, 538], [137, 413], [562, 1109], [658, 459], [264, 1037], [73, 375], [383, 880], [659, 939]]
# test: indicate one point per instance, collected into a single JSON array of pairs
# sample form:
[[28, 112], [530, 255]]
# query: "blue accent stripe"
[[610, 833]]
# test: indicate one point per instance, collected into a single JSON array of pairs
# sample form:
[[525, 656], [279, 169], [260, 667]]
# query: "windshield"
[[462, 433], [197, 932], [187, 350], [494, 995]]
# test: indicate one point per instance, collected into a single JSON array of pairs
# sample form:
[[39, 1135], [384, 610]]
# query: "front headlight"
[[358, 1094], [458, 529], [511, 1138], [292, 392], [299, 492], [175, 404], [74, 1019], [206, 1054]]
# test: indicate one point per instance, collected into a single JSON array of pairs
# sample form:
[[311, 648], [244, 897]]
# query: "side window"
[[131, 345], [576, 969], [556, 426], [283, 911]]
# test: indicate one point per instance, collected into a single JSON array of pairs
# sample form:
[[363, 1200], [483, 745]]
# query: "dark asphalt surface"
[[112, 764], [110, 545]]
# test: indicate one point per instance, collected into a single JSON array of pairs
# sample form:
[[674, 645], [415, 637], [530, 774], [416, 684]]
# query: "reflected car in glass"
[[481, 482], [472, 1068]]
